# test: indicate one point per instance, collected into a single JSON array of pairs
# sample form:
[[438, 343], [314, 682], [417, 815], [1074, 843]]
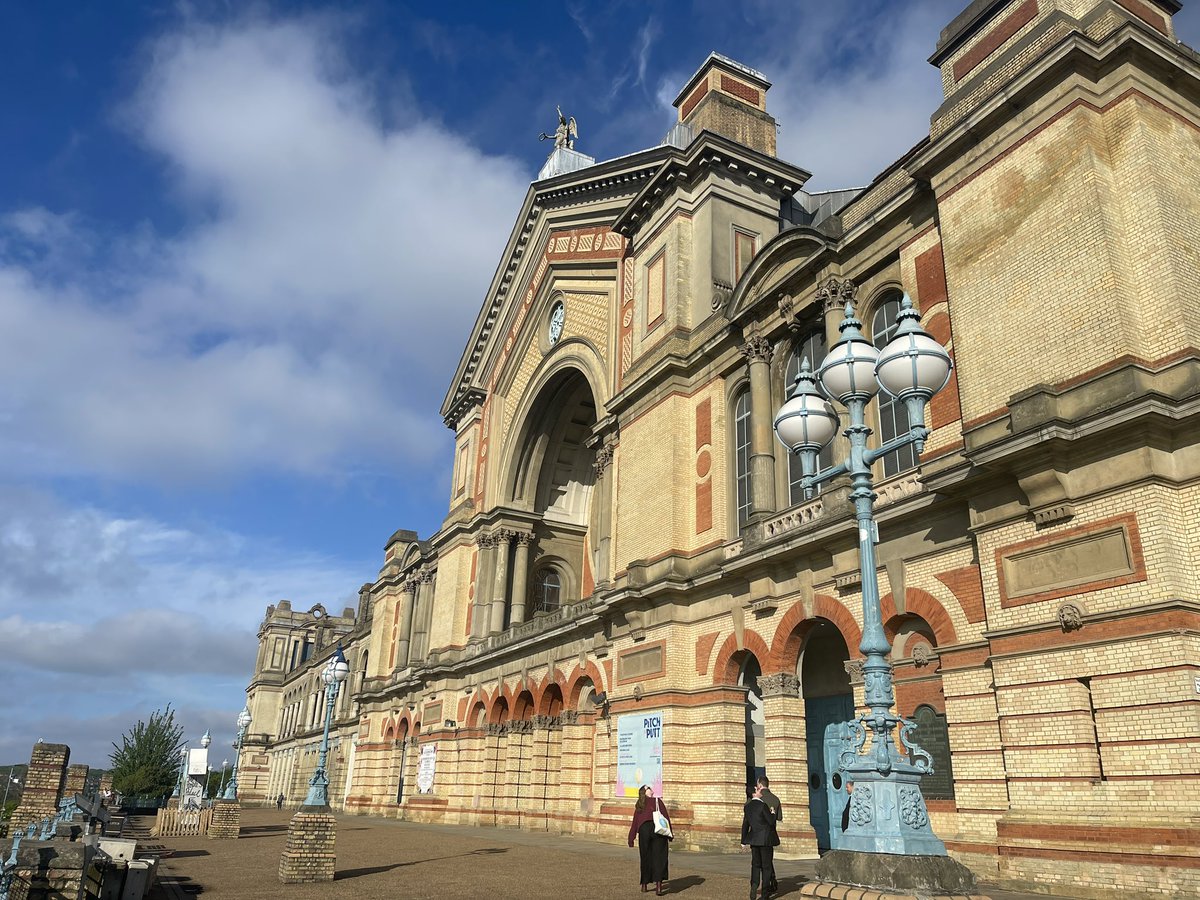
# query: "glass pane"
[[813, 349], [893, 414], [742, 455]]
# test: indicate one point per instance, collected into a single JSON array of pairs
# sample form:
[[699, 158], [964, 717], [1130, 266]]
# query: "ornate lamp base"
[[887, 813]]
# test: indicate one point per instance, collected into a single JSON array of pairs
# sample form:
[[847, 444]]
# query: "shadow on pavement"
[[678, 885], [375, 870], [180, 854]]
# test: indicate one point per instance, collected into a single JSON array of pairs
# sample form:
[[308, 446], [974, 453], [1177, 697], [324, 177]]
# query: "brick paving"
[[384, 858]]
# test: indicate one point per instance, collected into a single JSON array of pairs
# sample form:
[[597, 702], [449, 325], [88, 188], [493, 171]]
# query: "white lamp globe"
[[338, 667], [913, 364], [807, 421], [848, 370], [244, 719], [206, 740]]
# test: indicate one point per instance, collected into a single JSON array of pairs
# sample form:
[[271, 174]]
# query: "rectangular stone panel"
[[647, 662], [1104, 554]]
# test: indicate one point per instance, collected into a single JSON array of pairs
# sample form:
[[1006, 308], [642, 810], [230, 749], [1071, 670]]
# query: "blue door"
[[819, 713]]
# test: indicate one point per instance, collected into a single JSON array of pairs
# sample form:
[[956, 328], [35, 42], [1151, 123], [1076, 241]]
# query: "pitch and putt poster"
[[639, 753]]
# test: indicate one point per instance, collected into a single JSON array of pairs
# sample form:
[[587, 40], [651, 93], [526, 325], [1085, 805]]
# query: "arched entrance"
[[828, 698], [756, 746]]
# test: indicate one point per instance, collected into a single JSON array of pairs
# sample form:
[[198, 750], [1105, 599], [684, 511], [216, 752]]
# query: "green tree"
[[146, 763]]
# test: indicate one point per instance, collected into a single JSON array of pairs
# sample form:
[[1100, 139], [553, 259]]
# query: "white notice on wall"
[[426, 766]]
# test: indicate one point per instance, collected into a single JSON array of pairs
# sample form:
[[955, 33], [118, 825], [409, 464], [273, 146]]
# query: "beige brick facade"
[[621, 541]]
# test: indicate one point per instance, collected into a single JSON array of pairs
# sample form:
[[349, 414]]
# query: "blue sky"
[[241, 248]]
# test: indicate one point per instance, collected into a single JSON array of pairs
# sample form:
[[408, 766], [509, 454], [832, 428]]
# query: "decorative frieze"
[[854, 668]]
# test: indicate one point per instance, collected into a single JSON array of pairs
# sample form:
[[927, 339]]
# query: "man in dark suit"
[[758, 832], [776, 809]]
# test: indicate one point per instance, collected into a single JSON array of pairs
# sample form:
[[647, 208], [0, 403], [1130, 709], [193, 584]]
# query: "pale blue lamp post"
[[243, 722], [887, 812], [224, 772], [183, 758], [333, 675]]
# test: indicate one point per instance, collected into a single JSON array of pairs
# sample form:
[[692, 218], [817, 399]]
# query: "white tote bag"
[[661, 825]]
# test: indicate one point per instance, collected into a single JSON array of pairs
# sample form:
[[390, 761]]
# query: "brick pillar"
[[226, 820], [787, 760], [44, 783], [309, 854], [76, 779]]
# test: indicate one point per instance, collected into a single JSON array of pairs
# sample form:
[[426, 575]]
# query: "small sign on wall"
[[426, 768]]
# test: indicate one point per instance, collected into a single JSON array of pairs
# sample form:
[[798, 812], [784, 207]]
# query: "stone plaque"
[[932, 736], [644, 663], [1092, 558], [433, 715]]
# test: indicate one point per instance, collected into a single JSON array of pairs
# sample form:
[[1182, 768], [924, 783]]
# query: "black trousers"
[[762, 868]]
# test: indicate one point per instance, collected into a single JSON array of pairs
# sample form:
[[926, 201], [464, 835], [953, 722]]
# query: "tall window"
[[893, 415], [741, 444], [547, 591], [813, 349]]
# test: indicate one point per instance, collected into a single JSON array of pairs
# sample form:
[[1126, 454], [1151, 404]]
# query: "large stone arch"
[[795, 624], [575, 682], [728, 664], [574, 355], [928, 607]]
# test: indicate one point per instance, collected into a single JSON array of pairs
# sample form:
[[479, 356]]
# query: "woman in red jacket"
[[652, 847]]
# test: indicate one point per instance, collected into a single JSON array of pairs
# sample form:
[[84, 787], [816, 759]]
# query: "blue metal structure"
[[243, 722], [333, 675], [887, 812]]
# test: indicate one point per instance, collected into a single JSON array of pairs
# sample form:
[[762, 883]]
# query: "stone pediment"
[[785, 257]]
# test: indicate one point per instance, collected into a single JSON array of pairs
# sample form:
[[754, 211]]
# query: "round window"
[[557, 316]]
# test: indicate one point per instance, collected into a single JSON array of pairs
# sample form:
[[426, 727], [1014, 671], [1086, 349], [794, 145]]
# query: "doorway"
[[828, 698]]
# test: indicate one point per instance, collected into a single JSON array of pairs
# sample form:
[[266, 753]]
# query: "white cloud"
[[308, 315], [113, 613]]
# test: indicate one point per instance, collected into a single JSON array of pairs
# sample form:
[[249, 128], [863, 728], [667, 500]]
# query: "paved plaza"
[[378, 858]]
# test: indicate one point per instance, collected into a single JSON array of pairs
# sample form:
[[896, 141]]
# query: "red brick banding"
[[966, 584], [704, 645], [740, 89], [994, 39], [696, 96]]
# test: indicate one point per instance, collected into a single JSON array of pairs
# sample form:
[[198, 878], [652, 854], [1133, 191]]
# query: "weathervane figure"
[[565, 134]]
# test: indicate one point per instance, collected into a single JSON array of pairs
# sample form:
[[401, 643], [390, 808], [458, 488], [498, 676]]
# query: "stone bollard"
[[309, 855], [226, 820]]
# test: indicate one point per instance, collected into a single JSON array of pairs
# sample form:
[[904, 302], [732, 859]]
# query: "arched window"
[[741, 446], [893, 415], [813, 349], [546, 591]]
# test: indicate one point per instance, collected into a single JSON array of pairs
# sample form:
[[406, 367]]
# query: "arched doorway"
[[828, 698], [756, 746]]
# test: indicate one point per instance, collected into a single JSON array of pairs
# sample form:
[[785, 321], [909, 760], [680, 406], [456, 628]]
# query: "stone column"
[[787, 759], [404, 638], [309, 854], [484, 571], [603, 501], [76, 780], [520, 579], [44, 783], [757, 350], [422, 618], [226, 823], [500, 581]]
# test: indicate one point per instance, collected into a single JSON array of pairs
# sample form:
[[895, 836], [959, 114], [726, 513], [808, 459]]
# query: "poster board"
[[639, 753], [426, 768], [197, 763]]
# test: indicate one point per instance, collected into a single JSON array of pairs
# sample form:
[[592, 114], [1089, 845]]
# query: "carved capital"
[[568, 717], [757, 348], [781, 684], [485, 540], [427, 575], [834, 294], [525, 538], [604, 457], [520, 726], [854, 668], [409, 586], [503, 536]]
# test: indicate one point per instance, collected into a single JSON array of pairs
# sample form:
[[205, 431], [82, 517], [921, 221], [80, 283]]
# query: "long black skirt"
[[652, 848]]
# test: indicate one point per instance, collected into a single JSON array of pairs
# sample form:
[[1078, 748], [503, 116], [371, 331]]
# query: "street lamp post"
[[333, 675], [243, 722], [224, 772], [887, 811], [8, 781], [183, 758]]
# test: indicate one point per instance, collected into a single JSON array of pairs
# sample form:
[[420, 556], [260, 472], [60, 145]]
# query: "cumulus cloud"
[[113, 614], [308, 313]]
